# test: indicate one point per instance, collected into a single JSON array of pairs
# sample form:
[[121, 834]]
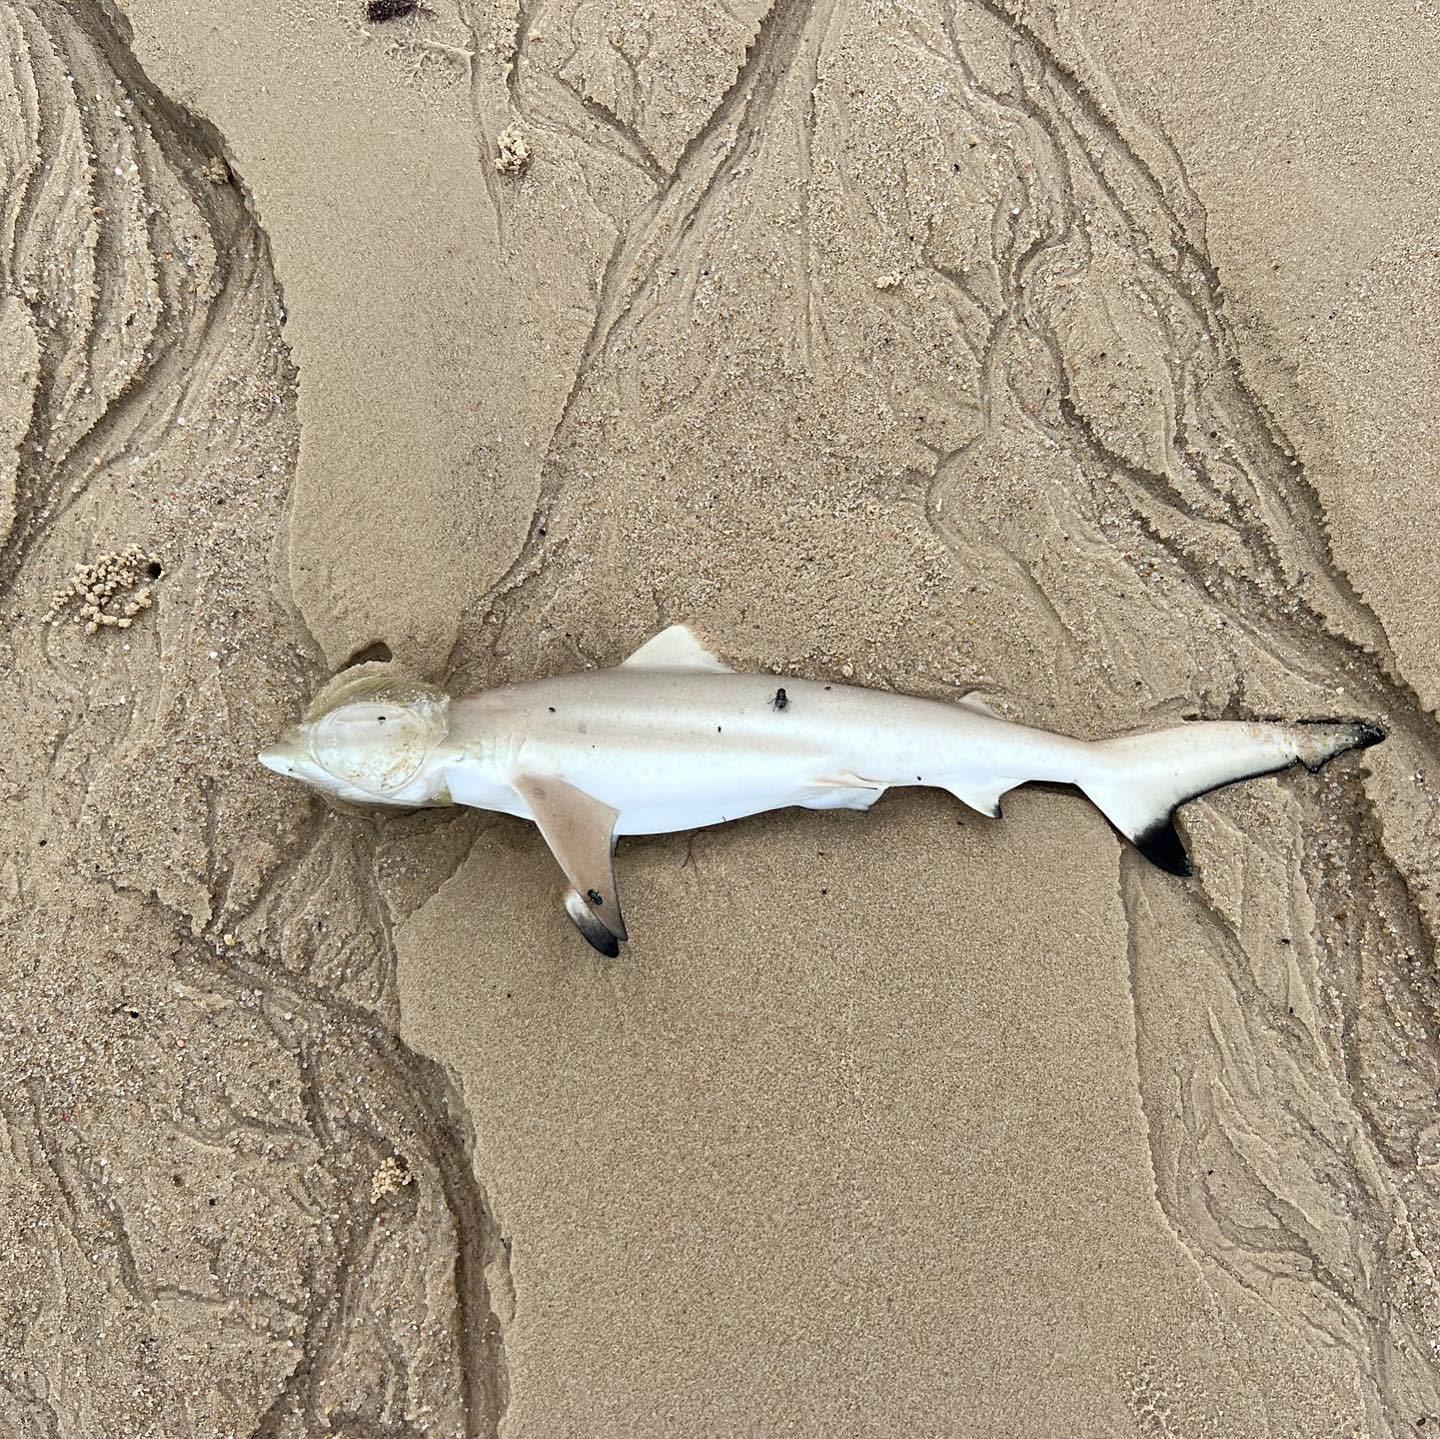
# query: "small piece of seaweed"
[[378, 11]]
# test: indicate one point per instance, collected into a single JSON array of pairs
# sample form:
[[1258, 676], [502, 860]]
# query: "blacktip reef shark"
[[674, 739]]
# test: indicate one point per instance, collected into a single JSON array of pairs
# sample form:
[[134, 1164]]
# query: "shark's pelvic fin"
[[676, 649], [580, 831], [844, 791]]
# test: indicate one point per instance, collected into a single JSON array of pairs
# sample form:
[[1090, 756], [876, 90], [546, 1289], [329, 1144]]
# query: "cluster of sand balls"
[[110, 591], [512, 154], [389, 1178]]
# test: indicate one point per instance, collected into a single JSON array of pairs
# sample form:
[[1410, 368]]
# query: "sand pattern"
[[878, 342], [200, 1076], [1062, 329]]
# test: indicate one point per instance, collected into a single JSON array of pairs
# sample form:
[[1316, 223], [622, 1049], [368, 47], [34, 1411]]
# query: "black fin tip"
[[597, 936], [1163, 847], [1370, 734]]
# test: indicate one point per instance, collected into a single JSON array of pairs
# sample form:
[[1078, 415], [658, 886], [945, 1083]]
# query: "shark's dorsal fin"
[[974, 700], [675, 649], [580, 831]]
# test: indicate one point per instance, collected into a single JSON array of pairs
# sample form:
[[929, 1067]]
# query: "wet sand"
[[1084, 356]]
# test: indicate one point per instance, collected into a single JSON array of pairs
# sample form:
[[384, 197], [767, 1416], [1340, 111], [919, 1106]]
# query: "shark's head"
[[371, 739]]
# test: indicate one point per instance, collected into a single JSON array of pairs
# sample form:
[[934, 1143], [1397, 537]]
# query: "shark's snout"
[[281, 755]]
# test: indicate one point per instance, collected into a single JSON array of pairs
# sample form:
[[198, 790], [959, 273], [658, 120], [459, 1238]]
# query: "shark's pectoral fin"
[[580, 831], [675, 649]]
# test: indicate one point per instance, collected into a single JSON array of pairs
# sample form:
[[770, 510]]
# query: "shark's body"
[[675, 740]]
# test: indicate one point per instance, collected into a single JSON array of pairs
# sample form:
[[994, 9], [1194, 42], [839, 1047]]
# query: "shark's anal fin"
[[675, 649], [982, 795], [580, 831]]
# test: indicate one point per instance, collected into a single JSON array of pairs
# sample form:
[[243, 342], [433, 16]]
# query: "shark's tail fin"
[[1138, 781]]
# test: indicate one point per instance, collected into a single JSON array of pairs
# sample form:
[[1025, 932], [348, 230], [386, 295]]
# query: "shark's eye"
[[372, 749]]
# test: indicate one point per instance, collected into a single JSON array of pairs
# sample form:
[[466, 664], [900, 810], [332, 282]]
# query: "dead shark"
[[674, 739]]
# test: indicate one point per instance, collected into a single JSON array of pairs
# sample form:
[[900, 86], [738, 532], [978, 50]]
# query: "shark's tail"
[[1138, 781]]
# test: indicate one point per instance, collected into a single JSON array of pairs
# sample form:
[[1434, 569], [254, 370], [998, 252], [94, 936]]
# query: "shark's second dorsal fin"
[[974, 700], [675, 649]]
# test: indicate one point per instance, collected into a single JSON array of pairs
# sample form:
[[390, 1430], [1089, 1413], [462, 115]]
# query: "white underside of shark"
[[673, 739]]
